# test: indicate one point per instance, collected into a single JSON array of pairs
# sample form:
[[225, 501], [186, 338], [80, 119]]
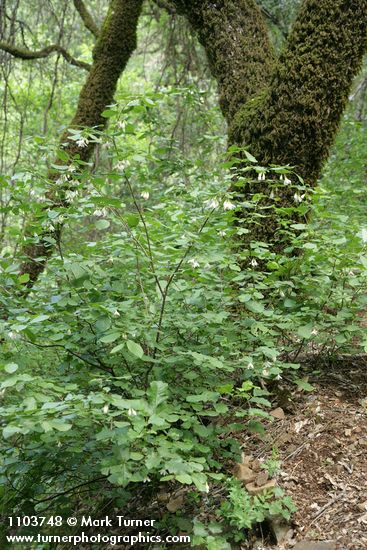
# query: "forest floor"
[[322, 442]]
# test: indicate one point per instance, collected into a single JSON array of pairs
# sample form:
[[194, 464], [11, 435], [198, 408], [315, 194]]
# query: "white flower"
[[116, 313], [222, 233], [212, 203], [265, 372], [121, 124], [99, 212], [132, 412], [70, 195], [261, 176], [13, 335], [105, 408], [250, 366], [122, 164], [314, 332], [82, 142], [254, 263], [278, 377], [287, 181], [193, 262], [61, 179], [206, 490], [144, 195], [298, 198], [228, 205]]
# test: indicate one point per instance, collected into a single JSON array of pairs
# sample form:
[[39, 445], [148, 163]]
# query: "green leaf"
[[132, 220], [111, 337], [8, 431], [11, 367], [117, 348], [305, 331], [23, 278], [250, 157], [157, 393], [135, 349], [304, 385], [186, 479], [102, 224]]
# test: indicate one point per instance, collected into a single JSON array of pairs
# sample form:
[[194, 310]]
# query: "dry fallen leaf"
[[175, 504], [278, 413]]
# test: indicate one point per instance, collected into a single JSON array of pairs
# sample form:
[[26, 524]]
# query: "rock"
[[278, 413], [262, 478], [315, 545], [244, 473], [254, 490], [281, 530]]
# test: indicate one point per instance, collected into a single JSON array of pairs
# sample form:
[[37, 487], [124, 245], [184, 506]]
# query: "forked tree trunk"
[[115, 44], [287, 111]]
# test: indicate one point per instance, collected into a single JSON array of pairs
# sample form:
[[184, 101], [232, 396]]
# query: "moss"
[[237, 45]]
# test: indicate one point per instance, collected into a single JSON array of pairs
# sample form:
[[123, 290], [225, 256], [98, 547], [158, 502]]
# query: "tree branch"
[[86, 17], [23, 53]]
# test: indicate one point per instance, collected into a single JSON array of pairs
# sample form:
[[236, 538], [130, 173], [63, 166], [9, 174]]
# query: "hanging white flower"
[[145, 195], [254, 263], [287, 181], [228, 205], [82, 142], [193, 262], [132, 412], [122, 164], [298, 198], [212, 203], [261, 176]]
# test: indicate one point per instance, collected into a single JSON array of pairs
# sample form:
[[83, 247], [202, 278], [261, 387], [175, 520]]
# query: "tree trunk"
[[236, 41], [286, 111], [116, 42]]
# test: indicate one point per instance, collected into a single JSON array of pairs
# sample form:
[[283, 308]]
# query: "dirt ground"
[[322, 442]]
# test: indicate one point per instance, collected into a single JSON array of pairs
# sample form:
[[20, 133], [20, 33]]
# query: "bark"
[[116, 43]]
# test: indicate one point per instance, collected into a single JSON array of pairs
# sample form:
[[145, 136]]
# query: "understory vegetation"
[[144, 349], [159, 331]]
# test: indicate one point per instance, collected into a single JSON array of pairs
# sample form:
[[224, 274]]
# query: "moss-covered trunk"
[[287, 111], [116, 42], [237, 45]]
